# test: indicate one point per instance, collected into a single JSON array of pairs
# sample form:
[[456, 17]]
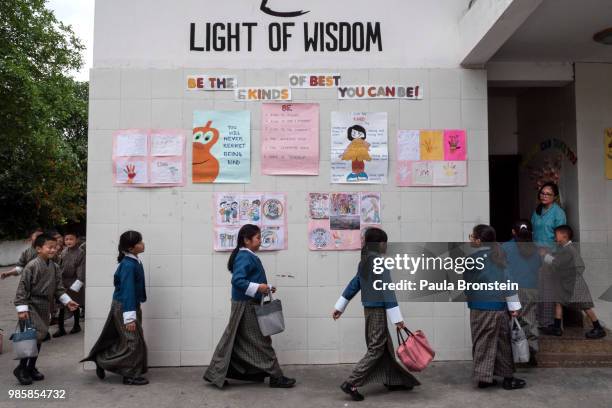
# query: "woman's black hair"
[[248, 231], [128, 240], [523, 234], [372, 239], [555, 190], [487, 234], [357, 128]]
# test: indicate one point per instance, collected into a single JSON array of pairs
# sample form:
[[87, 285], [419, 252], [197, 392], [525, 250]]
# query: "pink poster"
[[266, 210], [454, 145], [338, 220], [290, 139], [148, 158]]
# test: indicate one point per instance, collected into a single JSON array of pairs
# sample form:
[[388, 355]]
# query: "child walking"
[[121, 347], [243, 353], [39, 285], [490, 313], [378, 364], [72, 263], [570, 288], [524, 263]]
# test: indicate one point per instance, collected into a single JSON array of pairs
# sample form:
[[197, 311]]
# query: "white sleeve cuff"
[[18, 269], [65, 298], [76, 286], [341, 304], [129, 317], [548, 259], [395, 315], [22, 308], [513, 302], [252, 289]]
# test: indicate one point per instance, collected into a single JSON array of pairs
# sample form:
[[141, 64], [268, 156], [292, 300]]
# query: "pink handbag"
[[414, 352]]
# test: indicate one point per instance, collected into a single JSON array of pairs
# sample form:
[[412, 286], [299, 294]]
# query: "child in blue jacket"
[[378, 364]]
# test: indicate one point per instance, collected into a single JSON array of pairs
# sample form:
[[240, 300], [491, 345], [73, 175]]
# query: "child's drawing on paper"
[[205, 165], [318, 205], [131, 172], [357, 152], [344, 204], [370, 208], [455, 145]]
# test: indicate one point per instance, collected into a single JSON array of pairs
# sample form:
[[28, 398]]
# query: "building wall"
[[188, 284], [593, 115]]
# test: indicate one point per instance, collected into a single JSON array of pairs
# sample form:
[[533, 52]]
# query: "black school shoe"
[[551, 330], [596, 333], [36, 375], [135, 381], [513, 383], [100, 373], [59, 333], [282, 382], [23, 376], [75, 329], [352, 391], [47, 337]]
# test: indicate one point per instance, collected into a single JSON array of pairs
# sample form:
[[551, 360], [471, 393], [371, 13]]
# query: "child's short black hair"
[[42, 239], [357, 128], [565, 229]]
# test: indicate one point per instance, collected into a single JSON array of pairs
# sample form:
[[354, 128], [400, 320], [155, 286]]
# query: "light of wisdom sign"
[[290, 139], [431, 158], [221, 147]]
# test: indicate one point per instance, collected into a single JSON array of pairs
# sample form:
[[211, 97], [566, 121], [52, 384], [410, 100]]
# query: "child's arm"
[[240, 278], [60, 291], [127, 282], [80, 272], [23, 294], [353, 287]]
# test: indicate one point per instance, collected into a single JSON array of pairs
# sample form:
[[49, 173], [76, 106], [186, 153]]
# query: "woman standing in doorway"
[[547, 216]]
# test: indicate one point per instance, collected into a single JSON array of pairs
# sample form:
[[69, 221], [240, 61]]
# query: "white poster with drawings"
[[422, 173], [130, 143], [409, 145], [370, 208], [273, 237], [128, 171], [166, 144], [449, 173], [166, 171], [359, 147]]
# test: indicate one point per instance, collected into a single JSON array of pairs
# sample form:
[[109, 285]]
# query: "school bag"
[[270, 316], [414, 351], [520, 345], [24, 340]]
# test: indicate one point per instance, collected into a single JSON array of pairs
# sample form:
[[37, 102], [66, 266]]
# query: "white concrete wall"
[[593, 115], [188, 284]]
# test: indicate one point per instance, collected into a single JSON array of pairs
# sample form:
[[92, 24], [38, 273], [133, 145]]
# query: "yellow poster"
[[432, 145], [608, 152]]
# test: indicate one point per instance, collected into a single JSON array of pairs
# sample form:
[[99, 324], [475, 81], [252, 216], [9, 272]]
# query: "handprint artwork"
[[130, 171]]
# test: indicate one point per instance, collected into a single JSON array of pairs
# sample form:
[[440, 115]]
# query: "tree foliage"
[[43, 120]]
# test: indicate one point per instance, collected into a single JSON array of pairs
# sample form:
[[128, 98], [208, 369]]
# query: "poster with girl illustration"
[[359, 147], [266, 210]]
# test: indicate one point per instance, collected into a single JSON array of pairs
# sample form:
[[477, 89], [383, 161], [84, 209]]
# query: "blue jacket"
[[544, 225], [363, 281], [129, 280], [247, 270], [521, 270], [492, 300]]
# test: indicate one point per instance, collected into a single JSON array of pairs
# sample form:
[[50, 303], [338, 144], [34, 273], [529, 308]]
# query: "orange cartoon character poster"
[[221, 147]]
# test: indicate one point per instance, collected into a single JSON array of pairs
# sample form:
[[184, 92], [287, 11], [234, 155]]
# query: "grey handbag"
[[24, 341], [520, 345], [270, 316]]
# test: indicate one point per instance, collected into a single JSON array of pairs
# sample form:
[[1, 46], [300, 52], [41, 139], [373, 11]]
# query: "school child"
[[121, 347], [41, 281], [524, 263], [571, 289], [243, 353], [72, 263], [26, 256], [490, 313], [378, 364]]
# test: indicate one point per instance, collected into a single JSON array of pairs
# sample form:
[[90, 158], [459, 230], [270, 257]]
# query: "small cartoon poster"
[[431, 158], [290, 139], [148, 158], [266, 210], [221, 144], [359, 147], [338, 220]]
